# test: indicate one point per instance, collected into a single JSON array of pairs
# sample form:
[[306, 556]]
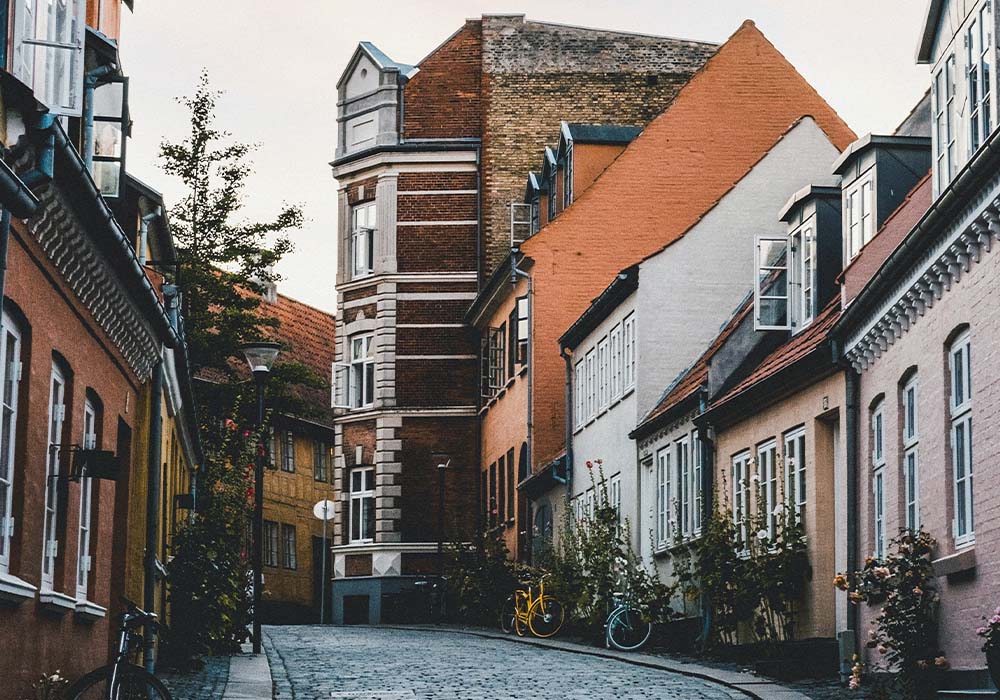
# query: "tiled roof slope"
[[693, 378], [734, 109], [893, 231], [797, 347], [308, 332]]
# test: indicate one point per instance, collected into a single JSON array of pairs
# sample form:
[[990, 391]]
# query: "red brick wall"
[[57, 322], [434, 341], [437, 382], [436, 207], [354, 195], [413, 182], [436, 248], [422, 437], [430, 310], [442, 100]]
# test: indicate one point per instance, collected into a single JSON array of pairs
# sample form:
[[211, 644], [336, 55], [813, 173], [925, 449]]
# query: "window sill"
[[86, 611], [962, 561], [15, 590], [671, 549], [56, 602]]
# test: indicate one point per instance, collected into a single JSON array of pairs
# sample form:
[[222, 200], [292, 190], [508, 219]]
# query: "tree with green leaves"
[[224, 262]]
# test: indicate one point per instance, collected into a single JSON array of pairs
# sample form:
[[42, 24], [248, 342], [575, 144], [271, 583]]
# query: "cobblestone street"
[[363, 663]]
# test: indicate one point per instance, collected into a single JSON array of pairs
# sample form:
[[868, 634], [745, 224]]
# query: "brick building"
[[99, 434], [428, 161]]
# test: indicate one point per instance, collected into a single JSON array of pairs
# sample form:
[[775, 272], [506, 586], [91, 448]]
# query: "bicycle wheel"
[[519, 625], [545, 617], [508, 613], [627, 630], [134, 683]]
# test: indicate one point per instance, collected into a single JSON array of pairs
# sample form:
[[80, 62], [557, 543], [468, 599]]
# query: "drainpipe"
[[707, 441], [45, 154], [568, 359], [152, 512], [90, 82], [144, 223], [853, 380]]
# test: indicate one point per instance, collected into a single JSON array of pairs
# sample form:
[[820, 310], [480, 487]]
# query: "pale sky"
[[279, 65]]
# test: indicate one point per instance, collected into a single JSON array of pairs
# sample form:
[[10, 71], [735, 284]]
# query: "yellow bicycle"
[[540, 614]]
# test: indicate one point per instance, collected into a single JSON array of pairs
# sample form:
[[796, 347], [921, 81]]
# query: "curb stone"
[[249, 677], [746, 683]]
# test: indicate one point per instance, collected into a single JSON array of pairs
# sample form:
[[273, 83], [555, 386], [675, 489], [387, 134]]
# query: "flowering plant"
[[990, 632], [904, 632]]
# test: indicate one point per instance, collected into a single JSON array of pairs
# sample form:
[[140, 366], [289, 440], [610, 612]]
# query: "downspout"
[[45, 153], [707, 441], [144, 223], [568, 481], [152, 512], [90, 82], [852, 381]]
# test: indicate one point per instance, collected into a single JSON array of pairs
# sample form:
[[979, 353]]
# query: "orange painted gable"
[[727, 117]]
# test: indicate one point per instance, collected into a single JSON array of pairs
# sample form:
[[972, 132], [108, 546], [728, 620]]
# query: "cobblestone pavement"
[[365, 663], [208, 683]]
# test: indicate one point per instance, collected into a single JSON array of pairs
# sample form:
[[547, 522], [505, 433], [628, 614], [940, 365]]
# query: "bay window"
[[48, 51], [10, 376], [363, 240], [960, 403], [56, 418], [89, 442], [363, 505]]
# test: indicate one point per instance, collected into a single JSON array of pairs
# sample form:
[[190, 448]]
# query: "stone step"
[[967, 694]]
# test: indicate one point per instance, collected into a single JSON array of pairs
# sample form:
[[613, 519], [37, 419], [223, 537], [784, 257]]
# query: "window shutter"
[[339, 393], [771, 283]]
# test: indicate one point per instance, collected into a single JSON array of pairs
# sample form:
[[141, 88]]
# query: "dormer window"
[[803, 274], [552, 194], [859, 219], [944, 123], [568, 177]]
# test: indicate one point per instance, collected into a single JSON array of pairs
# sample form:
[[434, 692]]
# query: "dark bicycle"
[[435, 593], [123, 679]]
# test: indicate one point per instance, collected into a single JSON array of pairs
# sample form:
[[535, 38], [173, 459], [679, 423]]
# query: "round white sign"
[[323, 510]]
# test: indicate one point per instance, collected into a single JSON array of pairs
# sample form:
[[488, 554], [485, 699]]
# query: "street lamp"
[[260, 356]]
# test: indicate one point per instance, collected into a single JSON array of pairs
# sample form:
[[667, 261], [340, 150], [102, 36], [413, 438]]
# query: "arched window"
[[960, 406], [10, 376]]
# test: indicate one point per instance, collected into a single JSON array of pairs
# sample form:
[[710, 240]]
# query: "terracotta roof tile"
[[796, 348], [309, 332]]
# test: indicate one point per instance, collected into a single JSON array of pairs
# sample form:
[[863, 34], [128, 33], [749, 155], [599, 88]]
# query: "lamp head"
[[260, 356]]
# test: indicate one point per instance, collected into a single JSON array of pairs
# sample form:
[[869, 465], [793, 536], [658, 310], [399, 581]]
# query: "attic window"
[[859, 219]]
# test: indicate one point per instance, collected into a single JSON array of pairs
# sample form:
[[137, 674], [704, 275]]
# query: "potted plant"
[[990, 632]]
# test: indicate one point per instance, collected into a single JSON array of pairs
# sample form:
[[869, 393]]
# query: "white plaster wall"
[[690, 289], [358, 84]]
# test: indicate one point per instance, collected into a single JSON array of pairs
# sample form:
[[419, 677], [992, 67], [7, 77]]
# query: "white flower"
[[762, 535], [755, 478], [777, 510]]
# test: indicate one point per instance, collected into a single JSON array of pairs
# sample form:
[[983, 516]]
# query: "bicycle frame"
[[524, 599]]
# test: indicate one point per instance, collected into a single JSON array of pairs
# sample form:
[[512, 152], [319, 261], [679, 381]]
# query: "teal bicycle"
[[627, 627]]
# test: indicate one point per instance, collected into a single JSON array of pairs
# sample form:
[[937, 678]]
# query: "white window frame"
[[628, 353], [911, 480], [878, 435], [56, 418], [615, 496], [767, 272], [362, 248], [802, 276], [943, 112], [32, 53], [741, 499], [10, 378], [568, 176], [615, 348], [580, 397], [960, 403], [359, 497], [663, 496], [796, 464], [767, 468], [859, 215], [591, 360], [682, 450], [878, 512], [361, 378], [697, 475], [979, 76], [83, 559], [603, 375]]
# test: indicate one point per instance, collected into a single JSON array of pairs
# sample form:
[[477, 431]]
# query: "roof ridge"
[[332, 315]]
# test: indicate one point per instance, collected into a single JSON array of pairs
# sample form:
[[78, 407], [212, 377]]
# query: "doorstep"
[[753, 686]]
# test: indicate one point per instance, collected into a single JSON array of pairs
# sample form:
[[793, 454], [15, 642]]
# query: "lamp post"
[[260, 356]]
